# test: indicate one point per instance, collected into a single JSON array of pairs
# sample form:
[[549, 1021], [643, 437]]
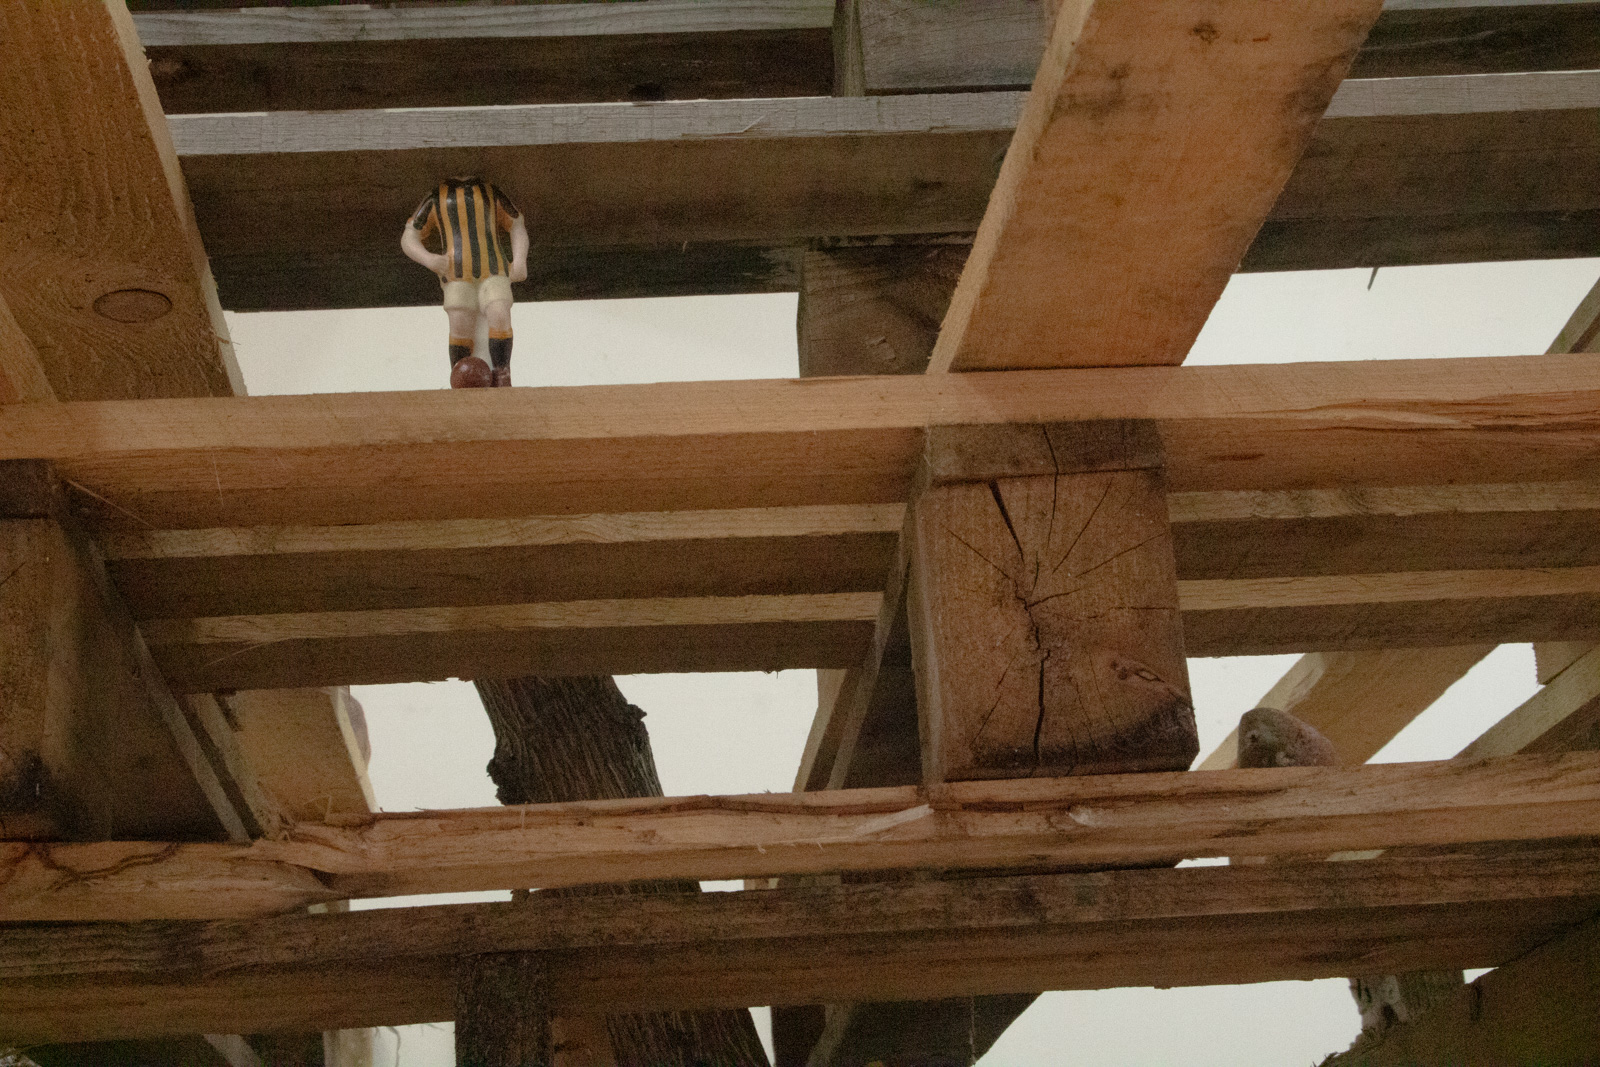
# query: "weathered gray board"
[[304, 210]]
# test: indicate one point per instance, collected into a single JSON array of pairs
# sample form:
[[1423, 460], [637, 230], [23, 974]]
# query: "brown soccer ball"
[[471, 373]]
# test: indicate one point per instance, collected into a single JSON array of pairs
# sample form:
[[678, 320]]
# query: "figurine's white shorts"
[[474, 294]]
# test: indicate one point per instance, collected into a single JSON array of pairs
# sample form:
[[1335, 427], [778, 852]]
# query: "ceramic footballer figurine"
[[469, 215]]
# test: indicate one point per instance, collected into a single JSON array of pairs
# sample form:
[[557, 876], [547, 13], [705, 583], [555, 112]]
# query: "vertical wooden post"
[[503, 1011], [1043, 604]]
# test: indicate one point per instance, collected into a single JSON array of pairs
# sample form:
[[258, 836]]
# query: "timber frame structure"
[[996, 512]]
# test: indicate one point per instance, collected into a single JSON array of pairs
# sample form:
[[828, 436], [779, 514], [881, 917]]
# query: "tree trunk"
[[559, 739], [502, 1014]]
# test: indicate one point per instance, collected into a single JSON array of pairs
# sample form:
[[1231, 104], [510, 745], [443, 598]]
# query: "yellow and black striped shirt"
[[470, 214]]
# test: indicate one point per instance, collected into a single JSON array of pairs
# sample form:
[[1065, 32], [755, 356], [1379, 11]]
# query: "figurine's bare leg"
[[463, 322], [498, 313]]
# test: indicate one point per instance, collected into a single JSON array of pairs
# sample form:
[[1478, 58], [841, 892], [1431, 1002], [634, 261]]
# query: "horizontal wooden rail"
[[333, 459], [1113, 820], [900, 939], [1400, 171]]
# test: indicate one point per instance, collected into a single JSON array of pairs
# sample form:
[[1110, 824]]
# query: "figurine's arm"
[[519, 250], [411, 244], [416, 231]]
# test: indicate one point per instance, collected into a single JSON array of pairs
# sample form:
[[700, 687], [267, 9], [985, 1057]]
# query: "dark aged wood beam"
[[903, 939]]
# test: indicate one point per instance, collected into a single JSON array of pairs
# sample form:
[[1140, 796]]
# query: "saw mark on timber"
[[1085, 527]]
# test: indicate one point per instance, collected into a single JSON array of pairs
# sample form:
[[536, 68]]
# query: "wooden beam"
[[1043, 607], [1563, 716], [909, 46], [1400, 171], [1360, 700], [22, 377], [382, 457], [903, 940], [84, 701], [190, 1050], [307, 746], [334, 58], [875, 309], [101, 262], [1134, 176], [1246, 617], [174, 574], [1537, 1008], [1115, 820]]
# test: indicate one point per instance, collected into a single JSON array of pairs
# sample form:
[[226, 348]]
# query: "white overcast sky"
[[737, 733]]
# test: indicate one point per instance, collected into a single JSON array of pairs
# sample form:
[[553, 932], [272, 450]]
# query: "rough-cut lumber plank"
[[339, 58], [1537, 1008], [101, 261], [1153, 144], [769, 552], [1043, 608], [1422, 170], [89, 730], [907, 940], [912, 46], [831, 630], [1110, 819], [305, 748], [1562, 716], [377, 457], [1360, 700], [788, 551]]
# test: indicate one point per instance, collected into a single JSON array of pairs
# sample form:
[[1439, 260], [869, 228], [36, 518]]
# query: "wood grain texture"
[[22, 377], [1153, 144], [1113, 820], [909, 46], [830, 631], [376, 457], [334, 58], [1360, 700], [502, 1011], [1428, 170], [904, 939], [1537, 1008], [95, 204], [875, 309], [305, 749], [89, 732], [1044, 625], [791, 551]]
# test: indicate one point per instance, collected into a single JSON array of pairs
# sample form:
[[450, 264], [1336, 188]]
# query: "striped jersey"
[[468, 212]]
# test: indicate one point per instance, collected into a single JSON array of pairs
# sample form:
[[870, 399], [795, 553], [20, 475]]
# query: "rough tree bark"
[[559, 739]]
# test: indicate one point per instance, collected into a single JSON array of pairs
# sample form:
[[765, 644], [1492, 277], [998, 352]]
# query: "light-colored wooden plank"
[[1538, 1008], [832, 630], [304, 749], [166, 574], [383, 457], [101, 262], [902, 939], [1111, 819], [1562, 716], [1360, 700], [1152, 147]]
